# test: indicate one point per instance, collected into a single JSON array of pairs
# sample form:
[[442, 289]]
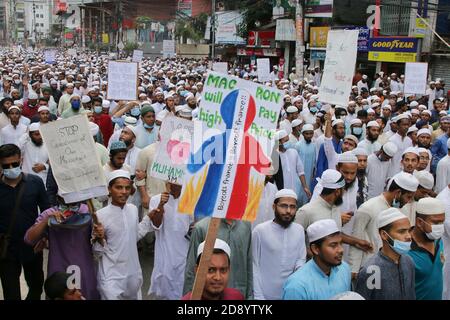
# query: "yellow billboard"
[[105, 38], [392, 56], [318, 37]]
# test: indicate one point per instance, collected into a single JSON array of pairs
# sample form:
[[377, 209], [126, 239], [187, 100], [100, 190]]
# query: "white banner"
[[336, 85], [263, 69], [227, 28], [168, 48], [416, 77], [50, 56], [74, 159], [221, 67], [285, 30], [122, 80], [137, 55]]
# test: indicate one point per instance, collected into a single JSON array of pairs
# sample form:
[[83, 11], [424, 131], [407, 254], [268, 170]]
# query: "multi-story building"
[[3, 23], [38, 19]]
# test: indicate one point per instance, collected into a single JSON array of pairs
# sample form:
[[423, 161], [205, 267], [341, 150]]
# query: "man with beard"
[[291, 115], [307, 152], [356, 128], [400, 191], [30, 107], [351, 109], [5, 104], [159, 104], [424, 159], [34, 152], [363, 184], [64, 102], [15, 129], [325, 275], [128, 136], [410, 160], [117, 155], [295, 135], [327, 206], [424, 138], [278, 248], [370, 143]]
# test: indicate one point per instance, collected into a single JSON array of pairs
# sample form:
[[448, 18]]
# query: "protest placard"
[[342, 46], [416, 77], [74, 159], [170, 160], [221, 67], [232, 151], [122, 80], [50, 56], [137, 55], [168, 48], [72, 52], [263, 69]]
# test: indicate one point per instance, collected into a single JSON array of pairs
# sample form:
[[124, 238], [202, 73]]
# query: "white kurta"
[[369, 146], [315, 210], [171, 248], [292, 169], [31, 155], [277, 253], [131, 159], [286, 126], [119, 273], [377, 174], [158, 107], [444, 196], [11, 134], [330, 153], [265, 209], [442, 174], [402, 144]]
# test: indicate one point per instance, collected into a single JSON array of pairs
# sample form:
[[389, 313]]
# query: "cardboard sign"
[[74, 159], [263, 69], [50, 56], [122, 80], [169, 48], [221, 67], [137, 55], [416, 77]]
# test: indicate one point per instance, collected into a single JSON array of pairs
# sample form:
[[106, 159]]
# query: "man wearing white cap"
[[12, 132], [34, 153], [75, 107], [159, 105], [400, 191], [325, 275], [401, 141], [356, 128], [171, 244], [424, 138], [424, 159], [64, 101], [307, 152], [362, 83], [410, 160], [443, 171], [371, 143], [128, 136], [394, 269], [296, 134], [444, 196], [278, 248], [291, 115], [119, 272], [216, 282], [427, 249]]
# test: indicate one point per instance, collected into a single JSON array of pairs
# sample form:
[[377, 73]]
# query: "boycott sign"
[[74, 159], [122, 80], [170, 160], [231, 153]]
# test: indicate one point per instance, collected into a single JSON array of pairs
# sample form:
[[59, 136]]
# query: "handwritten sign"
[[168, 48], [172, 155], [285, 30], [137, 55], [263, 69], [231, 152], [50, 56], [221, 67], [74, 159], [122, 80], [339, 67], [416, 77]]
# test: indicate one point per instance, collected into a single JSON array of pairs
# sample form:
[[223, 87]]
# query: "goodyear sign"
[[393, 49]]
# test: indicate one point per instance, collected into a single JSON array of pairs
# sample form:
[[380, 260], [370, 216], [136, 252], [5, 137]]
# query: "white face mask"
[[437, 231]]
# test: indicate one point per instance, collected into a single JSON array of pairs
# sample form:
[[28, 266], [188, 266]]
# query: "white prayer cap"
[[376, 104], [336, 122], [106, 104], [422, 107], [360, 152], [331, 179], [14, 107], [373, 89], [32, 96], [415, 111], [43, 108], [348, 295], [411, 150], [186, 112], [370, 110], [405, 181], [401, 117], [68, 85], [373, 124], [94, 128], [75, 96], [219, 244], [53, 81], [426, 179], [291, 109], [424, 131], [389, 216], [352, 103], [133, 129], [413, 104], [390, 148], [18, 102], [309, 127], [314, 97], [190, 95], [412, 129], [296, 122], [355, 121], [387, 106], [142, 95], [85, 99], [354, 87], [280, 134], [179, 108], [34, 126], [427, 112], [320, 229], [352, 137], [130, 121], [118, 174], [285, 193], [430, 206], [347, 157], [364, 77]]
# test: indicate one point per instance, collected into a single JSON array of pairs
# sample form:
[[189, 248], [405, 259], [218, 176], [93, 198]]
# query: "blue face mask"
[[98, 109], [357, 131], [286, 145], [148, 126], [313, 109], [319, 105], [401, 247], [12, 173], [135, 112], [75, 104]]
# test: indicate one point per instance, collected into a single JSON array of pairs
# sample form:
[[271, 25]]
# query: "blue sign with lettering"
[[393, 44]]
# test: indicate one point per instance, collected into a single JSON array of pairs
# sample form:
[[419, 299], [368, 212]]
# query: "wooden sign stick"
[[200, 277], [94, 216]]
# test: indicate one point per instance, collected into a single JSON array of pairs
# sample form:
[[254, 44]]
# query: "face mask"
[[357, 131], [13, 173], [319, 105], [135, 112], [437, 231], [313, 109], [98, 109], [286, 145], [147, 126], [17, 81], [401, 247], [75, 104]]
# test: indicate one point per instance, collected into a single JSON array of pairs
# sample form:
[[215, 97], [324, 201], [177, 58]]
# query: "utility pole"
[[299, 42], [34, 18], [213, 30]]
